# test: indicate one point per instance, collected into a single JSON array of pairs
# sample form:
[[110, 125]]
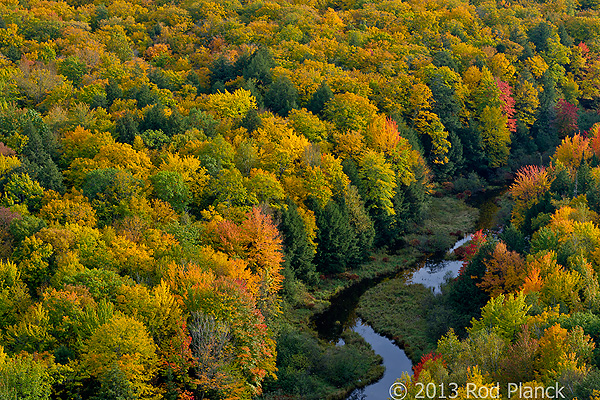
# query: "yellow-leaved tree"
[[231, 105], [122, 352]]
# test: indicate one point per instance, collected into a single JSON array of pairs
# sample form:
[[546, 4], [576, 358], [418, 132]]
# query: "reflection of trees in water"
[[435, 266], [358, 394]]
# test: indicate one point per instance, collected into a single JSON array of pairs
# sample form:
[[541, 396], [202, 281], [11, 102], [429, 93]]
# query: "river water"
[[434, 272], [431, 274], [342, 315]]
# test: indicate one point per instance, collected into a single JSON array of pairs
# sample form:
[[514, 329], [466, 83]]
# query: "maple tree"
[[504, 271]]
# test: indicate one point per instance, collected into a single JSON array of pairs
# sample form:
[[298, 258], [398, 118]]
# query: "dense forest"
[[178, 177]]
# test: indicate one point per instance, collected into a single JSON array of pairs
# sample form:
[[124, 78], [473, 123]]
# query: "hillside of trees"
[[537, 287], [176, 174]]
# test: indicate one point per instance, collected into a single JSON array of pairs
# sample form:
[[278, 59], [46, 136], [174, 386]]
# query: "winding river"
[[342, 315]]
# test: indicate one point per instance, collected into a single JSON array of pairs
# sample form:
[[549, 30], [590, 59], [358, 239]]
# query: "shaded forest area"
[[178, 177]]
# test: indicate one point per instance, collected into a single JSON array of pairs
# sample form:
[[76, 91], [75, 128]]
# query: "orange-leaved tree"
[[530, 183]]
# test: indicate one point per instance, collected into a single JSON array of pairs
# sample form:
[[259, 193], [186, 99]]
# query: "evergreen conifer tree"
[[299, 252], [336, 242], [282, 96], [317, 102]]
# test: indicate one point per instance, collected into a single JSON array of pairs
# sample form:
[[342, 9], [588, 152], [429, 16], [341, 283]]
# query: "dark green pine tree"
[[337, 247], [360, 222], [155, 119], [108, 189], [127, 128], [176, 124], [455, 159], [259, 67], [539, 35], [564, 36], [281, 97], [514, 239], [593, 196], [256, 90], [221, 71], [251, 121], [296, 245], [584, 178], [317, 102], [544, 130], [473, 154], [463, 294], [38, 152], [203, 121], [143, 95]]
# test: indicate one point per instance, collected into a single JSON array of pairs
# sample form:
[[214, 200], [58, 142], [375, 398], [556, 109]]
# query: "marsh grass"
[[400, 312], [445, 221]]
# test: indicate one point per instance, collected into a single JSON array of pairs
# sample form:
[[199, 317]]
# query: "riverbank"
[[411, 314], [334, 301], [446, 220]]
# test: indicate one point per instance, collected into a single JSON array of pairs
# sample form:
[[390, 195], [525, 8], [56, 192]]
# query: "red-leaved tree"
[[566, 118], [508, 104]]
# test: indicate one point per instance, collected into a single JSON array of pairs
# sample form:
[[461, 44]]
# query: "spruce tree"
[[337, 247], [282, 96], [38, 151], [299, 252], [260, 66], [317, 102], [360, 222], [127, 128]]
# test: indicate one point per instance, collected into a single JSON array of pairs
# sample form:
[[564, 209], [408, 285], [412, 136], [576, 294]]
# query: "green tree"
[[154, 139], [40, 152], [115, 386], [282, 96], [359, 219], [73, 69], [260, 66], [539, 35], [216, 154], [299, 252], [110, 185], [337, 247], [228, 189], [26, 377], [21, 189], [127, 128], [320, 97], [109, 191], [378, 183], [171, 187]]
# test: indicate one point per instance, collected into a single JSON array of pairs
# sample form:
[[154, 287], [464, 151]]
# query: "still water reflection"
[[395, 362], [432, 274], [435, 272]]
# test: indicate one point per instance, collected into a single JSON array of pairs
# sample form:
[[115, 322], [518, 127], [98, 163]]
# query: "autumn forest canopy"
[[178, 177]]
